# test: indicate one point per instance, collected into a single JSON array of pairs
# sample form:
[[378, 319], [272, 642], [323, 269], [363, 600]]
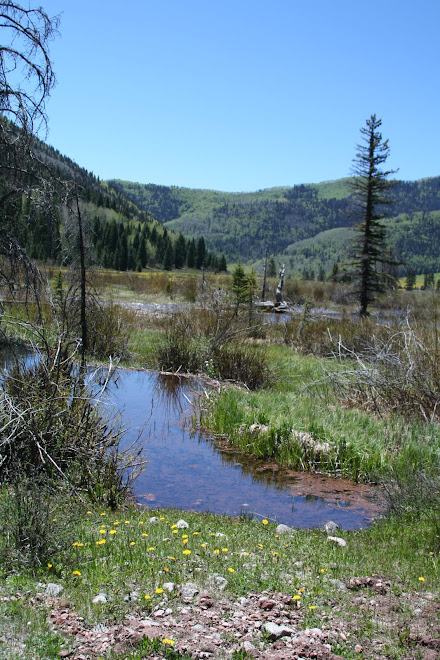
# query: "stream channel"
[[189, 470]]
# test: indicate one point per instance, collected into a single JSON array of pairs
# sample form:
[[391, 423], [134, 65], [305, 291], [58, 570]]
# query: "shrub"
[[52, 429]]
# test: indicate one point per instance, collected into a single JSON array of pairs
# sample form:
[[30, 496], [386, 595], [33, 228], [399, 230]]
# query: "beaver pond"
[[189, 470]]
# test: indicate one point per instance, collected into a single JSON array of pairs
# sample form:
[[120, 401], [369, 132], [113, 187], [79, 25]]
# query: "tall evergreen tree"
[[200, 252], [370, 187], [180, 251], [191, 255]]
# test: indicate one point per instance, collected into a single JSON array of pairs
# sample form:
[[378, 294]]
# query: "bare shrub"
[[51, 428], [399, 372], [207, 341]]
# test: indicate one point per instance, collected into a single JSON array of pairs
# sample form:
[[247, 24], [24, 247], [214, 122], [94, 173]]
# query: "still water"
[[189, 471]]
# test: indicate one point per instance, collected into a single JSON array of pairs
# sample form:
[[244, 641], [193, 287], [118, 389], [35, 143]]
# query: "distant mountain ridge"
[[306, 226]]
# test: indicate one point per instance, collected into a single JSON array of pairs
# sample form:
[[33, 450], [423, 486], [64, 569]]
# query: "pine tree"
[[370, 187]]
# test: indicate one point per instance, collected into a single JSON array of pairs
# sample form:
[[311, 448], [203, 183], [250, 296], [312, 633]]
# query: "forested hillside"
[[119, 234], [307, 226]]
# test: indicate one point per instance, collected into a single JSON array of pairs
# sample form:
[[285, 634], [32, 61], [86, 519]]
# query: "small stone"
[[188, 591], [65, 653], [198, 627], [53, 589], [182, 524], [336, 539], [283, 529], [99, 598], [267, 604], [159, 613], [168, 586], [154, 519], [275, 631], [338, 584], [331, 527], [358, 648], [248, 646]]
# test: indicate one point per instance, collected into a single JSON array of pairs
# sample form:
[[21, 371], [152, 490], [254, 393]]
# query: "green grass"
[[120, 553], [349, 442]]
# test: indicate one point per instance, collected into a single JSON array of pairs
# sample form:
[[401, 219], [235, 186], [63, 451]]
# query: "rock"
[[99, 598], [336, 539], [331, 527], [218, 581], [338, 584], [188, 591], [248, 646], [274, 631], [267, 604], [53, 589], [182, 524], [282, 529], [168, 586], [154, 519], [199, 628]]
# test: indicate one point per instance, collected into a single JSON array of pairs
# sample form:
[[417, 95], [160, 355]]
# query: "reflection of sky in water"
[[187, 472]]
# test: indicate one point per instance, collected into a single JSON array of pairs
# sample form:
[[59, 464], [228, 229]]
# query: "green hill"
[[297, 224]]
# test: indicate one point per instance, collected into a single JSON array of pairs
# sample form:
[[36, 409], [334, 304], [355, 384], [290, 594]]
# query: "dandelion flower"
[[172, 558], [170, 642], [260, 545], [203, 545], [323, 570], [296, 597], [224, 550], [141, 522], [100, 542], [175, 531], [185, 541], [147, 596], [103, 531], [112, 531], [216, 551], [187, 552], [54, 519], [151, 549], [49, 566], [116, 523], [165, 569], [212, 534], [132, 543], [312, 607], [422, 579], [275, 554], [265, 522], [126, 522], [184, 536], [76, 573], [173, 526], [162, 518], [196, 533], [231, 570], [103, 513], [89, 513], [159, 590]]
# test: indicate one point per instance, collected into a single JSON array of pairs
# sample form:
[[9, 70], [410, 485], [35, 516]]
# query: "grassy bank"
[[131, 560]]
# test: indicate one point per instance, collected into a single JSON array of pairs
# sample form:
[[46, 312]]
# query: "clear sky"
[[239, 95]]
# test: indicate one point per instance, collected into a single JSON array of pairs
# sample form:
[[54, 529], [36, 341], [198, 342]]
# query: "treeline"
[[134, 246]]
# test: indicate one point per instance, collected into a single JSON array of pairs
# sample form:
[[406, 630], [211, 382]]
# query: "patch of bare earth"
[[268, 626]]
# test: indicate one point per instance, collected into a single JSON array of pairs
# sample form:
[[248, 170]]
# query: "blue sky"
[[239, 95]]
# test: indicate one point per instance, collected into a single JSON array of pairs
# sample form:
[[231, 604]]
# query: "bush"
[[207, 341], [51, 429], [395, 371]]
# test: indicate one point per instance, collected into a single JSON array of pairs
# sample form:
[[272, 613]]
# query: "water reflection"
[[190, 471]]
